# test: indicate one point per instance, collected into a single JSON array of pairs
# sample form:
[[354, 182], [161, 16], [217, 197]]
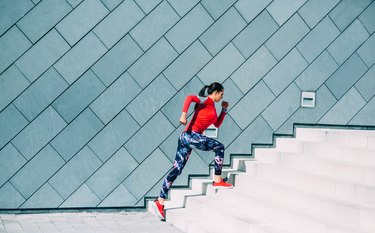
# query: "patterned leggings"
[[186, 142]]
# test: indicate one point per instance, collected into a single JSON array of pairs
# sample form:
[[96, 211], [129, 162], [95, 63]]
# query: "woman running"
[[192, 137]]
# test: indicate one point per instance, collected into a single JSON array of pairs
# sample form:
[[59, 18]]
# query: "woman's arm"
[[188, 100], [221, 117], [185, 108]]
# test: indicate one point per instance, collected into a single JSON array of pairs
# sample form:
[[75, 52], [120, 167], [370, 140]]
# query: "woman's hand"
[[224, 104], [183, 118]]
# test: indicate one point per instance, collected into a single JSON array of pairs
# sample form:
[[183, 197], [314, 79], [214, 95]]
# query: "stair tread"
[[309, 193], [321, 158], [232, 170], [339, 147], [326, 162], [290, 208], [369, 132], [259, 223], [361, 177], [185, 192], [192, 218], [334, 178], [336, 145], [253, 219]]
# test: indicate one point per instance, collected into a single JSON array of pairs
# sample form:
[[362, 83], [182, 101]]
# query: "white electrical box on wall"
[[308, 99], [211, 132]]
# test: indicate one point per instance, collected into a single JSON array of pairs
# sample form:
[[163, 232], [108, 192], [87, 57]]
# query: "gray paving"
[[84, 222]]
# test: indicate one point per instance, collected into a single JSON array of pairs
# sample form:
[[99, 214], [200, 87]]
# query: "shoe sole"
[[222, 187], [156, 210]]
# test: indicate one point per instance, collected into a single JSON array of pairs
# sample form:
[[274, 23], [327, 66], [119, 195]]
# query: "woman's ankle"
[[161, 201], [217, 178]]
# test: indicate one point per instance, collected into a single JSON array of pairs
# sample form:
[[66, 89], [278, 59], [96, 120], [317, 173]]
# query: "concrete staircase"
[[322, 181]]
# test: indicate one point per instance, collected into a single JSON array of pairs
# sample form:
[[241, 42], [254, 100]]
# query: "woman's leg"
[[208, 144], [182, 156], [205, 143], [186, 142]]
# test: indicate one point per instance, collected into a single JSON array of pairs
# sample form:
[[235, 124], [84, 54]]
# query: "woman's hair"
[[211, 89]]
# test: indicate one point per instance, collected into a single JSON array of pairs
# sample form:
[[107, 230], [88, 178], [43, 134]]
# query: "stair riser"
[[198, 228], [313, 183], [339, 153], [266, 155], [349, 138], [293, 179], [177, 197], [263, 210], [310, 203], [333, 169], [179, 222], [281, 216], [355, 173], [199, 185], [239, 164], [289, 145], [229, 222], [356, 193], [311, 135], [209, 212], [321, 150]]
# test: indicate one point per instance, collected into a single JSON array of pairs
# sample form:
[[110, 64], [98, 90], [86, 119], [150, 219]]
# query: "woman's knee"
[[219, 147]]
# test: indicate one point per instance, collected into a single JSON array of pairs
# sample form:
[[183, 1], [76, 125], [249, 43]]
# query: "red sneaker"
[[222, 185], [158, 209]]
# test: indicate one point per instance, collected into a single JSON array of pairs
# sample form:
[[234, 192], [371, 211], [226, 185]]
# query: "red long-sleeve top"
[[204, 116]]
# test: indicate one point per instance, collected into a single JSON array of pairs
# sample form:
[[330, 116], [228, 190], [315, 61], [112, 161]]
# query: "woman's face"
[[217, 96]]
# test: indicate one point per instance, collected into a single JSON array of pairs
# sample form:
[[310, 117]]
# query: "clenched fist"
[[224, 104], [183, 118]]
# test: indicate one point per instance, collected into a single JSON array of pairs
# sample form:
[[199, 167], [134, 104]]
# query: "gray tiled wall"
[[91, 90]]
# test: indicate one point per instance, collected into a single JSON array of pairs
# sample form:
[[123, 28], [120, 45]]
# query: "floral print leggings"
[[186, 142]]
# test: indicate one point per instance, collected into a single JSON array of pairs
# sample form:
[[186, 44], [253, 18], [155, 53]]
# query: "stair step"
[[284, 214], [178, 196], [350, 138], [228, 172], [311, 135], [239, 163], [230, 175], [231, 219], [326, 151], [314, 203], [200, 184], [312, 182], [297, 145], [341, 153], [188, 222], [289, 145], [333, 168]]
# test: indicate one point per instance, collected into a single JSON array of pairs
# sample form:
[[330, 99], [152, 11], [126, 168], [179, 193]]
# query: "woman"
[[192, 137]]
